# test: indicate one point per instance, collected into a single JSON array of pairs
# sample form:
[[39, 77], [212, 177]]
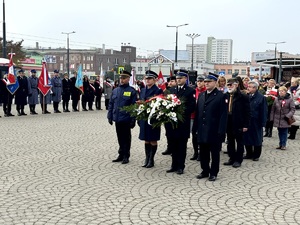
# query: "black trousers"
[[7, 108], [75, 104], [178, 148], [98, 102], [124, 138], [20, 107], [207, 151], [253, 152], [106, 103]]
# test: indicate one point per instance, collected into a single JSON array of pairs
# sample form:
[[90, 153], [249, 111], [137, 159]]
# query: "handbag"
[[291, 120]]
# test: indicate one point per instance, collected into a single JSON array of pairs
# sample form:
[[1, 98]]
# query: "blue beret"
[[151, 74], [211, 77], [33, 71], [56, 71]]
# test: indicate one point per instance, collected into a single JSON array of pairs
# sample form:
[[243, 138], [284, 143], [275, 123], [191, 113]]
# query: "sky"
[[143, 24]]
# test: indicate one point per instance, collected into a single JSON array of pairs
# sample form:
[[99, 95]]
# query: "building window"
[[88, 58], [146, 68], [237, 71], [92, 58], [72, 57], [140, 69], [61, 66], [83, 66], [88, 66], [128, 49], [116, 61], [124, 60], [83, 58], [108, 60], [243, 71], [61, 58], [229, 71], [92, 66]]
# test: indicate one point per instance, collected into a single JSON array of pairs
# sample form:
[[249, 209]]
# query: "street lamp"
[[68, 50], [275, 43], [177, 38], [4, 32], [193, 36]]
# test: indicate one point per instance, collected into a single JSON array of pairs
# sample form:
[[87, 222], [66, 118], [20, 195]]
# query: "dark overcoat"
[[147, 132], [282, 108], [187, 95], [66, 89], [259, 110], [5, 96], [211, 116], [22, 92], [33, 92], [56, 89]]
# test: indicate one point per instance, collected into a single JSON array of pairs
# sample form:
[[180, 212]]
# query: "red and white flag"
[[44, 81], [161, 82], [11, 79]]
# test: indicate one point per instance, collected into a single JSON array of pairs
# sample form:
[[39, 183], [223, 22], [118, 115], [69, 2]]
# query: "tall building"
[[219, 50], [200, 52]]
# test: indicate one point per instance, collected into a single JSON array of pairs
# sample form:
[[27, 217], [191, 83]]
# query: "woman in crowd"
[[245, 81], [283, 108], [221, 84], [295, 92]]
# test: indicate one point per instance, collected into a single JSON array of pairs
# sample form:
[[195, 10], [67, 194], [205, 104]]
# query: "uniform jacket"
[[56, 89], [148, 133], [282, 107], [259, 110], [187, 95], [123, 95], [88, 92], [211, 116], [98, 88], [5, 96], [47, 98], [66, 89], [240, 111], [22, 92], [75, 92], [33, 92]]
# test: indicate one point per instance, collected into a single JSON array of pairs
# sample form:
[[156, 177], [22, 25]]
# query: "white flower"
[[164, 103], [148, 110], [173, 114]]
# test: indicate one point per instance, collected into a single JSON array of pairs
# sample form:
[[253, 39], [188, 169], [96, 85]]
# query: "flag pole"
[[44, 111]]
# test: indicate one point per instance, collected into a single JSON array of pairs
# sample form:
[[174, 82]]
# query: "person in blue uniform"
[[147, 133], [123, 95], [56, 91], [33, 93], [178, 136]]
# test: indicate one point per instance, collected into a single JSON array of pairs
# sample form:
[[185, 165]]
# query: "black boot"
[[147, 153], [249, 152], [152, 154], [270, 132], [293, 131], [266, 132], [257, 152]]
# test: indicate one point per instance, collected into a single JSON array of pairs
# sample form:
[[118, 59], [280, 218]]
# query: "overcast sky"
[[251, 24]]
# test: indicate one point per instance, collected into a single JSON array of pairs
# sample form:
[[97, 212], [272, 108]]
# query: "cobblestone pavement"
[[57, 169]]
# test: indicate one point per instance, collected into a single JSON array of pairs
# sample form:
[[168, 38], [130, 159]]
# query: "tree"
[[15, 47]]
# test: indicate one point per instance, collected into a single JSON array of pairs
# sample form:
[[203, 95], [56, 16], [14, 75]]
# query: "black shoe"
[[35, 113], [229, 163], [23, 114], [125, 161], [171, 170], [47, 112], [236, 165], [19, 114], [6, 115], [195, 157], [212, 178], [291, 138], [201, 176], [119, 159], [84, 110], [57, 111], [266, 135], [75, 110], [64, 110], [255, 159], [180, 171], [9, 114], [247, 157], [67, 110], [167, 152]]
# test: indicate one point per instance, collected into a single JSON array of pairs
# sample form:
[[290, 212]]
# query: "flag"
[[79, 81], [171, 73], [132, 79], [12, 87], [44, 84], [11, 78], [161, 81]]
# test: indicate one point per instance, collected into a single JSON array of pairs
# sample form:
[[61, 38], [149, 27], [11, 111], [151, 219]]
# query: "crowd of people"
[[62, 90], [217, 110]]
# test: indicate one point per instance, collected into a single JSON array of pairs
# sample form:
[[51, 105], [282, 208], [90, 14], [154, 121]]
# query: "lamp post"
[[177, 38], [275, 43], [68, 50], [4, 32], [193, 36]]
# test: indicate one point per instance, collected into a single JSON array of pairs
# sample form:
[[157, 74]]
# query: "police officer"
[[124, 95], [21, 93], [66, 92], [210, 125], [75, 92], [56, 90], [147, 133], [178, 137], [5, 97], [33, 92]]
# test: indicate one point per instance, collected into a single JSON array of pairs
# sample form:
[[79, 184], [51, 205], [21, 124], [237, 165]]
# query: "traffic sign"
[[222, 73]]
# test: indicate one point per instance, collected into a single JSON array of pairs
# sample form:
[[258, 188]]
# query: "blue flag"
[[13, 87], [79, 80]]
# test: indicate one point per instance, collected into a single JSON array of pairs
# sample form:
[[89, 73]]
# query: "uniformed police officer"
[[123, 95], [75, 92], [33, 92], [66, 92], [56, 90], [147, 133], [21, 93]]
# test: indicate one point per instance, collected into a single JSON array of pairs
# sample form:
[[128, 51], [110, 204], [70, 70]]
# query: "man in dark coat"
[[123, 95], [147, 133], [253, 137], [66, 92], [238, 121], [179, 135], [33, 92], [21, 93], [56, 91], [5, 97], [75, 93], [98, 93], [210, 125]]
